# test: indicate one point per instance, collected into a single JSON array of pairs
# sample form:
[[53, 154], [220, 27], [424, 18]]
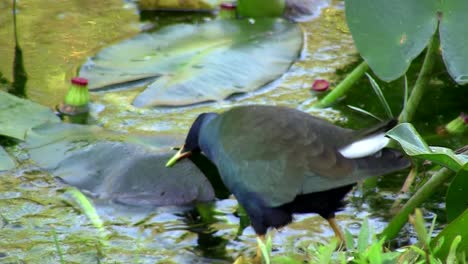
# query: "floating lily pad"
[[120, 167], [18, 115], [6, 162], [198, 63]]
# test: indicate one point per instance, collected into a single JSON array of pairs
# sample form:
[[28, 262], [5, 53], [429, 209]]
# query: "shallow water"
[[57, 37]]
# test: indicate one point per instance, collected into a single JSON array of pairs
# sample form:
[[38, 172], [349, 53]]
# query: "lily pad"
[[453, 32], [123, 168], [6, 162], [18, 115], [415, 146], [198, 63], [390, 34]]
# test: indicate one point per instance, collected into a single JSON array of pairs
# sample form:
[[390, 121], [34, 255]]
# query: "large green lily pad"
[[390, 34], [198, 63], [453, 32], [120, 167], [18, 115]]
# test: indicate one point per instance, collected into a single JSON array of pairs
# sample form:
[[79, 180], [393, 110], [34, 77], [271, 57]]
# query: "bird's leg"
[[337, 230], [258, 256]]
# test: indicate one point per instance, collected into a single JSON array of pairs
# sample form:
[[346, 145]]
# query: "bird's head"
[[192, 141]]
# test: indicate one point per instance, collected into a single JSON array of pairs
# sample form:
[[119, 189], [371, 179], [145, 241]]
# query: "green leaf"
[[417, 221], [390, 34], [349, 240], [453, 32], [19, 115], [415, 146], [6, 162], [199, 63], [452, 256], [265, 248], [380, 95], [363, 238], [360, 110], [457, 227], [456, 199]]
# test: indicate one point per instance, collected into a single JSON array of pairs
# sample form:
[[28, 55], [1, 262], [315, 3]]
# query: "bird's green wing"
[[276, 154]]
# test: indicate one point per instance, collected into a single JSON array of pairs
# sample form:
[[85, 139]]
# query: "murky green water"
[[56, 37]]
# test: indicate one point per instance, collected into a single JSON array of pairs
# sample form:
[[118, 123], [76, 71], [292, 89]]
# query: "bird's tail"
[[368, 141], [383, 162], [368, 150]]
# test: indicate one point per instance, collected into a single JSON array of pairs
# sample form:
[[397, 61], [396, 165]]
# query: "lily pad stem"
[[421, 83], [398, 221], [343, 86]]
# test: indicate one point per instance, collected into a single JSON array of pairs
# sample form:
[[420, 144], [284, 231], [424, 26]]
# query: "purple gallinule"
[[278, 161]]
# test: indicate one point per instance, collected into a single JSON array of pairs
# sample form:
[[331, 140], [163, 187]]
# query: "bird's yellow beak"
[[178, 156]]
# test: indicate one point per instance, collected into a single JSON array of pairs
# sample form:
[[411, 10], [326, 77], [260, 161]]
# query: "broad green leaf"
[[457, 195], [18, 115], [198, 63], [453, 32], [457, 227], [415, 146], [6, 162], [390, 34]]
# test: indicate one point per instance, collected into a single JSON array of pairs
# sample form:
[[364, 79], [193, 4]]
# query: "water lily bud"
[[228, 10], [77, 98], [458, 125], [320, 85]]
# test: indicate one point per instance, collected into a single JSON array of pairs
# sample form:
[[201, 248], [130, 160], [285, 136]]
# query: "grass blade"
[[57, 246], [380, 95], [362, 111]]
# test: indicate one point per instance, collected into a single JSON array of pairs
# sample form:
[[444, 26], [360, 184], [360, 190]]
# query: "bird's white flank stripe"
[[365, 147]]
